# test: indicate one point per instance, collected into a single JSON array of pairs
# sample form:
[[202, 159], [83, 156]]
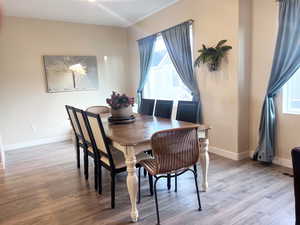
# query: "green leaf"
[[221, 43]]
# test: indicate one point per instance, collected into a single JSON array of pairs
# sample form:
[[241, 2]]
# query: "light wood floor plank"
[[41, 185]]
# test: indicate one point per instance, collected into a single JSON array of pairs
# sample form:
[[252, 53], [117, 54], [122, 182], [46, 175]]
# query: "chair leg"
[[195, 169], [175, 182], [197, 190], [145, 172], [99, 174], [113, 190], [78, 153], [139, 186], [96, 175], [86, 165], [169, 182], [150, 184], [156, 202]]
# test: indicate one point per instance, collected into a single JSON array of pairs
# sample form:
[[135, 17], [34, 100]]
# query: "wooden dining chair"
[[147, 106], [79, 142], [86, 142], [163, 108], [98, 109], [175, 151], [104, 154], [187, 111]]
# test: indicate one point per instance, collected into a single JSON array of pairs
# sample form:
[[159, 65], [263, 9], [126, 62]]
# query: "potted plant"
[[212, 55], [121, 105]]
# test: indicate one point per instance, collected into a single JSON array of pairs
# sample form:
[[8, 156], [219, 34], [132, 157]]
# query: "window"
[[291, 95], [163, 82]]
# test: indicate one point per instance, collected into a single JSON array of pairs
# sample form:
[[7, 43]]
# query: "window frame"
[[287, 96], [192, 55]]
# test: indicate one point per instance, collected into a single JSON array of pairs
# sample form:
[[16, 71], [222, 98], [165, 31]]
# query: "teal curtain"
[[178, 43], [286, 62], [145, 50]]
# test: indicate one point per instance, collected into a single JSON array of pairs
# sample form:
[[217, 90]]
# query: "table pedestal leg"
[[204, 161], [132, 181]]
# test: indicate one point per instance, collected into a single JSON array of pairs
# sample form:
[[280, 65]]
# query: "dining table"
[[134, 138]]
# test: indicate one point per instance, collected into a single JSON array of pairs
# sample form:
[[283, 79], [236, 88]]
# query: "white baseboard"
[[228, 154], [278, 161], [40, 141], [248, 154]]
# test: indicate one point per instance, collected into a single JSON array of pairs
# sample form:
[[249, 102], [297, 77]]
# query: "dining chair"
[[163, 108], [79, 143], [86, 142], [147, 106], [104, 154], [175, 151], [101, 109], [296, 168], [187, 111]]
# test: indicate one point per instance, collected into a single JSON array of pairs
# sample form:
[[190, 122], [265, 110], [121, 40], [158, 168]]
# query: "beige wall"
[[214, 20], [28, 112], [265, 22]]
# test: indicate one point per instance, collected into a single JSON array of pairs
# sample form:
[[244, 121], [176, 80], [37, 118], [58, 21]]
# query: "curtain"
[[286, 62], [177, 40], [145, 49]]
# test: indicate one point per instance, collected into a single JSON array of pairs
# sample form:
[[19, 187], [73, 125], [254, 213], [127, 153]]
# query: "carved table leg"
[[132, 181], [204, 161]]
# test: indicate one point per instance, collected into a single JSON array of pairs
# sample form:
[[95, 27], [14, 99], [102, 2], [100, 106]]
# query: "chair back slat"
[[163, 108], [97, 134], [175, 149], [187, 111], [98, 138], [80, 121], [70, 111]]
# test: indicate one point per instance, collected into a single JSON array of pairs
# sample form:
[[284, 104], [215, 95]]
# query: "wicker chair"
[[147, 107], [163, 108], [175, 151], [98, 109], [78, 137]]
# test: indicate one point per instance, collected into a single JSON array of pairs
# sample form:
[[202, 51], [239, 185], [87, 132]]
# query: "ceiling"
[[102, 12]]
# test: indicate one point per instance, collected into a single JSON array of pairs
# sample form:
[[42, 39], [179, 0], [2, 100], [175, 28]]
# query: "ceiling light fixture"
[[92, 0]]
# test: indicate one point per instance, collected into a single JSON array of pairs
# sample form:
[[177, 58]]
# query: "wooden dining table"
[[134, 138]]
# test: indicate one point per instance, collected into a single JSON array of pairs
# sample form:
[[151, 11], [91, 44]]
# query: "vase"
[[125, 112]]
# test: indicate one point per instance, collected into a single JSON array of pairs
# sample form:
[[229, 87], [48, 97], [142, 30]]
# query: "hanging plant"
[[212, 55]]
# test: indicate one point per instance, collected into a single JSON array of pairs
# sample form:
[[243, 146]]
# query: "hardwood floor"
[[42, 186]]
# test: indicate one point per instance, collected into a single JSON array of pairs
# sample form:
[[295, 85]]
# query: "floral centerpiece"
[[121, 105]]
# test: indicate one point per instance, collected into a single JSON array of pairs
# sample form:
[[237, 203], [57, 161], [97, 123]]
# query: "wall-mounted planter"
[[212, 56]]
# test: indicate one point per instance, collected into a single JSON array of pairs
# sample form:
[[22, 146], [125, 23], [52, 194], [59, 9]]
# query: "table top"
[[142, 129]]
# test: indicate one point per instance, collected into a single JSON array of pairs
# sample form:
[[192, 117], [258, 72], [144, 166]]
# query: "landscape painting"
[[71, 73]]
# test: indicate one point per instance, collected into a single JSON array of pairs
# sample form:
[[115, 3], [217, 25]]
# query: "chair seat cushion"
[[119, 159]]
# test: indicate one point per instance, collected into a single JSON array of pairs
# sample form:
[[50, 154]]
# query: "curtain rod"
[[191, 21]]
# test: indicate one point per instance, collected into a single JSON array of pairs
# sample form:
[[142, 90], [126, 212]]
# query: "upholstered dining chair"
[[147, 107], [98, 109], [187, 111], [104, 154], [79, 142], [175, 151], [296, 167], [163, 108]]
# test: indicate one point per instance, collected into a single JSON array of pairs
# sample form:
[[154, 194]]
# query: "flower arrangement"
[[118, 101]]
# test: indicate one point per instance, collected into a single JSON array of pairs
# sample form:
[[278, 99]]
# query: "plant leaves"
[[221, 43]]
